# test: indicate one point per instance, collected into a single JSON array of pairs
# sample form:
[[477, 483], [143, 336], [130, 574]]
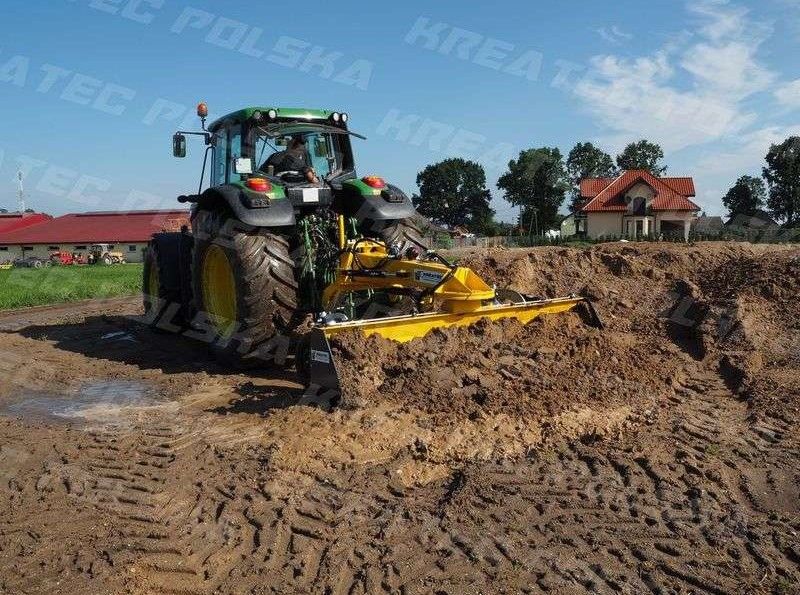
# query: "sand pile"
[[536, 370], [661, 303]]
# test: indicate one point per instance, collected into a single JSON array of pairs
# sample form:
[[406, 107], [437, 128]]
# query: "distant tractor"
[[101, 253]]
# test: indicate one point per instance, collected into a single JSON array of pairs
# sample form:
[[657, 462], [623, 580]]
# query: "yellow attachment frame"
[[365, 264]]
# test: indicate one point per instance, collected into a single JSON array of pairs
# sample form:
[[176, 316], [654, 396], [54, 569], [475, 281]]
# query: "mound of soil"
[[731, 306], [526, 371]]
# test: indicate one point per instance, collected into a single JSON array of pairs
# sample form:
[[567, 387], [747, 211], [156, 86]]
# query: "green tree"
[[746, 196], [453, 192], [783, 176], [587, 161], [536, 181], [642, 155]]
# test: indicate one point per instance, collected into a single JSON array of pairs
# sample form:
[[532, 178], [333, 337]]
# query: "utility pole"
[[20, 193]]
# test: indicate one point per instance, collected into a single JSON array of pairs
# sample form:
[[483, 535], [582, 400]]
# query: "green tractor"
[[288, 248], [266, 232]]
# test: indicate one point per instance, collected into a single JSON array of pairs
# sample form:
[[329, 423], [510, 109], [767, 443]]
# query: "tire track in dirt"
[[594, 517], [600, 520], [131, 477], [182, 531]]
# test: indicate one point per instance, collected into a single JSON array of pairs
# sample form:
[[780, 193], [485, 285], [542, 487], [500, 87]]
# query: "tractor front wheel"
[[404, 233], [244, 285]]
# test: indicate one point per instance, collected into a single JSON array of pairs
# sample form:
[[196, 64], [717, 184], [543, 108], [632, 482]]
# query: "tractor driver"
[[292, 159]]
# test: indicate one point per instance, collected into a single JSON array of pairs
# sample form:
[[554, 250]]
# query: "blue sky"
[[91, 90]]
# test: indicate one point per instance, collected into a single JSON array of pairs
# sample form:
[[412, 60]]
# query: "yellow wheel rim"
[[219, 290]]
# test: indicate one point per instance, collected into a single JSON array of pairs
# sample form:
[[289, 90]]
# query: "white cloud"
[[635, 100], [788, 94], [717, 169], [721, 18], [641, 97], [747, 155], [728, 68], [614, 34]]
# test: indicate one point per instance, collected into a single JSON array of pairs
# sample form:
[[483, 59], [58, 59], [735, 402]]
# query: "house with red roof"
[[636, 204], [126, 232]]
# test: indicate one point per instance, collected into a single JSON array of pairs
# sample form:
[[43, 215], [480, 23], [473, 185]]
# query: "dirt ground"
[[659, 455]]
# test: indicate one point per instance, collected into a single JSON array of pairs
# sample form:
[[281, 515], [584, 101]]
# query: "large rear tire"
[[244, 285], [404, 233], [161, 287]]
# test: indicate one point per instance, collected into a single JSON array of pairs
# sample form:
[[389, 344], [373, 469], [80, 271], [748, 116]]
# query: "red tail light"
[[258, 184], [374, 181]]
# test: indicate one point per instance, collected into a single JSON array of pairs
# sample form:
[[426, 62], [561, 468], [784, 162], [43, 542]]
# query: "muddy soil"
[[660, 455]]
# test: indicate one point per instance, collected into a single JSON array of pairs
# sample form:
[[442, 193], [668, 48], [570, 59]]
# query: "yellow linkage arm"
[[366, 265]]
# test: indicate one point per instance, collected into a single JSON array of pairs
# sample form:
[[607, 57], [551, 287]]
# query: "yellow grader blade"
[[324, 376], [451, 296], [406, 328]]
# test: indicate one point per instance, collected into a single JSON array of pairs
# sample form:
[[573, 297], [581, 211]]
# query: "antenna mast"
[[20, 193]]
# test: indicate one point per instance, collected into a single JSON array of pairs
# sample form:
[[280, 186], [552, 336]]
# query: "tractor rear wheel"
[[161, 287], [244, 283], [404, 233]]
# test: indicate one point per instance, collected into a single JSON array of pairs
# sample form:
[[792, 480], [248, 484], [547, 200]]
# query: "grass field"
[[20, 288]]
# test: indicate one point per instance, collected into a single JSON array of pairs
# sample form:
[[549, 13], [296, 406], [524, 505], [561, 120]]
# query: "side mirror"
[[242, 165], [178, 145], [320, 147]]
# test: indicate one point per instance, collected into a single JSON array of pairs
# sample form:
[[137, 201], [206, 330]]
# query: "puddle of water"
[[104, 402]]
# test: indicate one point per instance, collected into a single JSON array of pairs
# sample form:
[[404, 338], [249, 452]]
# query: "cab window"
[[220, 157], [235, 151]]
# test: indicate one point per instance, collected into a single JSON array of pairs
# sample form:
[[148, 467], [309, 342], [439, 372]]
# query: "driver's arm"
[[275, 161]]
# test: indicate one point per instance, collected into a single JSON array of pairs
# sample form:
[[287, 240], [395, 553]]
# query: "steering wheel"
[[291, 176]]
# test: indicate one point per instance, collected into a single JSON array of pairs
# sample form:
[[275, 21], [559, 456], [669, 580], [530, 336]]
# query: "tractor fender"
[[278, 213], [368, 204]]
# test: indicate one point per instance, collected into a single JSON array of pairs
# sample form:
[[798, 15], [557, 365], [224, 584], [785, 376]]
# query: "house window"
[[3, 248], [27, 248], [54, 248], [131, 248], [80, 247], [111, 246]]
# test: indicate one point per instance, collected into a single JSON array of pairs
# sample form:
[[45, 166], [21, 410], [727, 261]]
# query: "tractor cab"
[[270, 150], [274, 165]]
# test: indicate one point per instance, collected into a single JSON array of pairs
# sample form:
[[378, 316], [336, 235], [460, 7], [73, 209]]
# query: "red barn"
[[13, 221], [127, 232]]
